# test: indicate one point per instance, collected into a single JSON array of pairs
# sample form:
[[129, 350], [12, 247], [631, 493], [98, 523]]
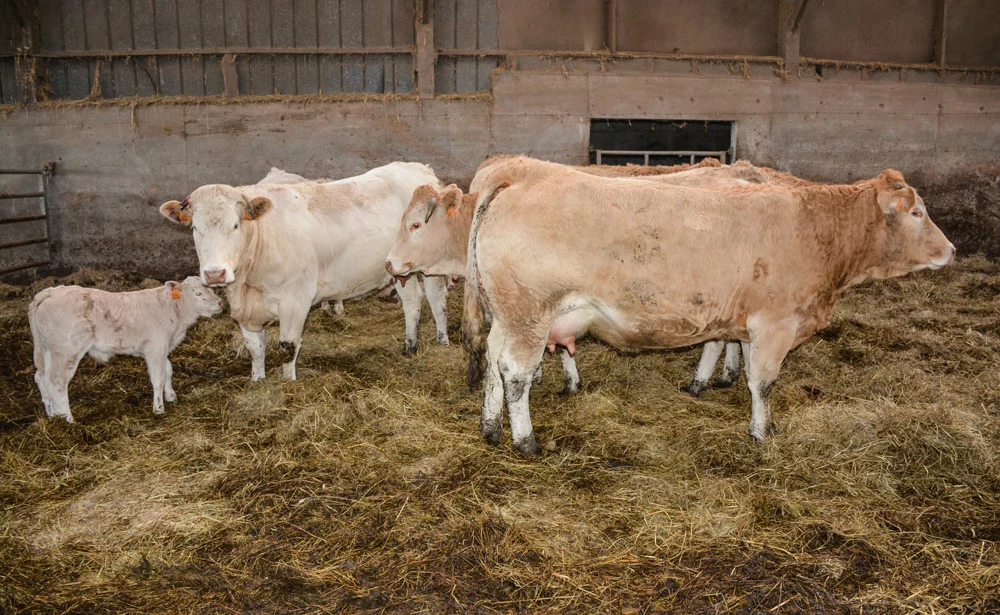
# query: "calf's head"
[[429, 240], [217, 215], [913, 241], [194, 298]]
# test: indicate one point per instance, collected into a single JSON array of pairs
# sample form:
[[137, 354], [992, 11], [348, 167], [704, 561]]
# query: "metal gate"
[[47, 171]]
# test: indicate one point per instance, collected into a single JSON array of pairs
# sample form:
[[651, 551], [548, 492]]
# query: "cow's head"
[[217, 215], [913, 241], [432, 236]]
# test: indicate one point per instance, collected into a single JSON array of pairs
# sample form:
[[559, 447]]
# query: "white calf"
[[68, 322]]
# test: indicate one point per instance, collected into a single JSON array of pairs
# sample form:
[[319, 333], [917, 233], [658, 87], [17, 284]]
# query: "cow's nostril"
[[388, 267]]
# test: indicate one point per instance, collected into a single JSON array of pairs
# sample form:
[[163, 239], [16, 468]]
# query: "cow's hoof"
[[570, 389], [158, 411], [409, 347], [528, 447], [170, 397], [443, 339], [723, 384], [492, 436], [695, 388], [761, 433]]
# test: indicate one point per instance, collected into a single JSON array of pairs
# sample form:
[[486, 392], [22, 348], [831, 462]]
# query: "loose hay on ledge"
[[364, 486]]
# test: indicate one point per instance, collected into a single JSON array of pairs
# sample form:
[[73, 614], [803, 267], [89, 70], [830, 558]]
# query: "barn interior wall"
[[116, 166]]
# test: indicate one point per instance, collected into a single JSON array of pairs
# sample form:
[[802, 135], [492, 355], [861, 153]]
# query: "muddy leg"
[[435, 287], [710, 354], [410, 295], [256, 343], [571, 377], [768, 346], [731, 368], [491, 420]]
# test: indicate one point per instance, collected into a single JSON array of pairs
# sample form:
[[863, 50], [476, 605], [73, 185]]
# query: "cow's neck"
[[240, 304], [860, 228], [460, 226]]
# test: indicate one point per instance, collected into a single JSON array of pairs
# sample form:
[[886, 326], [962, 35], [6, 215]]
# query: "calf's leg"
[[256, 343], [436, 289], [156, 362], [168, 386]]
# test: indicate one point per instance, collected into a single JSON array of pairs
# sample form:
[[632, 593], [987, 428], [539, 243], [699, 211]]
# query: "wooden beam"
[[789, 14], [940, 32], [230, 79], [613, 26], [27, 37], [426, 54]]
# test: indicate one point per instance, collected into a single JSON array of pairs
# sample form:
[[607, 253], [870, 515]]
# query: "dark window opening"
[[661, 142]]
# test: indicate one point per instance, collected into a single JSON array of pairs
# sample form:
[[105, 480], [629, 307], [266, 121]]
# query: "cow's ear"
[[171, 284], [451, 199], [894, 196], [177, 212], [257, 207]]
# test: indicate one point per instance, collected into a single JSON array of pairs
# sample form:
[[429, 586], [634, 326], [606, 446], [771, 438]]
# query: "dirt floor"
[[364, 487]]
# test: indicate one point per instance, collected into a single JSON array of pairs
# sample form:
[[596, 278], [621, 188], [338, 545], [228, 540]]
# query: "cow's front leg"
[[436, 289], [168, 387], [731, 367], [156, 362], [763, 354], [291, 321], [710, 354], [256, 343], [410, 296]]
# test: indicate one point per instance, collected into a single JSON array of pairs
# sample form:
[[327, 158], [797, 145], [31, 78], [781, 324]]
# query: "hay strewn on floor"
[[365, 488]]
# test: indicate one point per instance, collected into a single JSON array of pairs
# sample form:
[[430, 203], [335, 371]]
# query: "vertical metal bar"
[[44, 181], [598, 156], [645, 159]]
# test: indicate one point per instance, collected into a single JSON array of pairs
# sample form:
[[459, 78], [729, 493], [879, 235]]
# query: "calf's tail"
[[475, 318], [33, 326]]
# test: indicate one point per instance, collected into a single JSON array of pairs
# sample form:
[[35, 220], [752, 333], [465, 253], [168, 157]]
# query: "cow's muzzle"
[[397, 276], [215, 276]]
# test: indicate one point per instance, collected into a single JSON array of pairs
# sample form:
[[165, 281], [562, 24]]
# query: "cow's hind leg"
[[731, 367], [769, 344], [710, 354], [571, 377], [517, 361], [256, 343], [291, 321], [436, 289], [491, 419], [410, 296]]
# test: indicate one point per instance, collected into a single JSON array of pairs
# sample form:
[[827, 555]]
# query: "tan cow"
[[556, 253], [433, 239], [281, 248], [68, 322]]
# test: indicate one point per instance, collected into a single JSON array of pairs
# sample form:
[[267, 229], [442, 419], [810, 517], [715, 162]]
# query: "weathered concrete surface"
[[115, 168]]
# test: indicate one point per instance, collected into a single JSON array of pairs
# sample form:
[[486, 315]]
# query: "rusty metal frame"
[[47, 171]]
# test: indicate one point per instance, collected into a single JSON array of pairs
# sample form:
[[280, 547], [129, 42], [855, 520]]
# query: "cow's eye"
[[237, 225], [415, 226], [917, 213]]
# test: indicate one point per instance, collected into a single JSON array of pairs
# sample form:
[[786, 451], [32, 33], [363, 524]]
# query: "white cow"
[[68, 322], [280, 248]]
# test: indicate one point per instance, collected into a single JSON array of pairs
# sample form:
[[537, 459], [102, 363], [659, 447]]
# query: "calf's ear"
[[257, 207], [176, 212]]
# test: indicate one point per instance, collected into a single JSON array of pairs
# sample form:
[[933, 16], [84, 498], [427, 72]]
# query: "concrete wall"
[[116, 166]]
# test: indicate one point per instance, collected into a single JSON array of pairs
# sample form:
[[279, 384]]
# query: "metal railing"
[[47, 171], [691, 154]]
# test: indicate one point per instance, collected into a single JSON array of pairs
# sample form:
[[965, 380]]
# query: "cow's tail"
[[475, 320], [39, 355]]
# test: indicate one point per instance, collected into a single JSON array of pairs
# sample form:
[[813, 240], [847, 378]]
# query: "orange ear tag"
[[183, 217], [247, 217], [900, 206], [175, 293], [451, 212]]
